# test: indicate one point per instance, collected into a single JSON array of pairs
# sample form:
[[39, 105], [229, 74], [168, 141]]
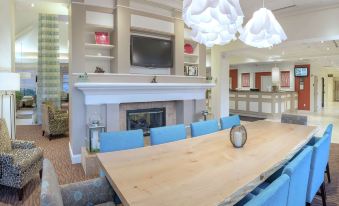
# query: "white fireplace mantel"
[[116, 93]]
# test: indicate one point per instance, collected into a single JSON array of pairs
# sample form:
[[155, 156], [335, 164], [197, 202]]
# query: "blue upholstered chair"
[[229, 122], [121, 140], [204, 127], [315, 140], [327, 171], [321, 150], [161, 135], [298, 170], [274, 194]]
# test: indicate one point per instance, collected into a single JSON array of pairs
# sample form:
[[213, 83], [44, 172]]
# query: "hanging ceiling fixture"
[[263, 30], [213, 22]]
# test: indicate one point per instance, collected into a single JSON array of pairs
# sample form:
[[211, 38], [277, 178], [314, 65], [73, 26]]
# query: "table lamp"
[[9, 83]]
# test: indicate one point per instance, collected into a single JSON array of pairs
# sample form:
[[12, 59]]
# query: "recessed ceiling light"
[[328, 48], [322, 42], [32, 5], [300, 58], [66, 22], [283, 52]]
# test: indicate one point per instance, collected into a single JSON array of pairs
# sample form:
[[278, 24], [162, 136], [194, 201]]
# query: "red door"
[[303, 88]]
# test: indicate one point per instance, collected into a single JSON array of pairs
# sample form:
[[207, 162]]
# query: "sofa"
[[20, 161], [91, 192], [27, 101]]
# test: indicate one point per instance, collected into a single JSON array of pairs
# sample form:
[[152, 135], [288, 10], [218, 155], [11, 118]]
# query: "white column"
[[7, 35], [7, 60], [220, 74]]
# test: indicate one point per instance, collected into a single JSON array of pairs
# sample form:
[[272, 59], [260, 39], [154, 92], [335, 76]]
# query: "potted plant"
[[18, 98]]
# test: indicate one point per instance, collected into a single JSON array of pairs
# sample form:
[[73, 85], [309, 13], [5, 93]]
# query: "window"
[[65, 81], [285, 78], [245, 79]]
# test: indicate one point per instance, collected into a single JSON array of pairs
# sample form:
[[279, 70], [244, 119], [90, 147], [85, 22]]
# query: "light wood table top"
[[206, 170]]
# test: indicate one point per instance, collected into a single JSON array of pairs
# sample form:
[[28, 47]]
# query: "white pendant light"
[[263, 30], [276, 75], [213, 21]]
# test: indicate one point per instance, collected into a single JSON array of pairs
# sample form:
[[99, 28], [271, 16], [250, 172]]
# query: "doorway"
[[322, 92], [336, 91]]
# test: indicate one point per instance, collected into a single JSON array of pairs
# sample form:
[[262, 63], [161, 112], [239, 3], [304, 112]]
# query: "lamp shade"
[[213, 21], [275, 75], [263, 30], [9, 81]]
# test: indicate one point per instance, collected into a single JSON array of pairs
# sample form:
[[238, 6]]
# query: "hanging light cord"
[[263, 3]]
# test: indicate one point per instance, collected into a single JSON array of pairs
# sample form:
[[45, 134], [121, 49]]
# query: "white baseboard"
[[76, 159]]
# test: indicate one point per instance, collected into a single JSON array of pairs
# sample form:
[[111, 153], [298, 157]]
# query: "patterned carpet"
[[57, 151]]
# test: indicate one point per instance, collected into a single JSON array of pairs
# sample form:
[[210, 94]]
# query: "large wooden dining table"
[[205, 170]]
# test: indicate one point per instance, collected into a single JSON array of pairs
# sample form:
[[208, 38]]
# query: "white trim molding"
[[75, 158], [116, 93]]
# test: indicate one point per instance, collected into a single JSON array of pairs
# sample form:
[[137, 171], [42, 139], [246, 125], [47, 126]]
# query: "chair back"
[[204, 127], [321, 150], [298, 170], [161, 135], [50, 189], [294, 119], [229, 122], [275, 194], [329, 130], [121, 140]]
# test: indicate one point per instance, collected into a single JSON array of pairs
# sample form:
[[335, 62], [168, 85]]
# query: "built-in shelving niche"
[[192, 59], [98, 19]]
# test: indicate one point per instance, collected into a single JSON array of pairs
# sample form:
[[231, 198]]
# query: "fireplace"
[[145, 119]]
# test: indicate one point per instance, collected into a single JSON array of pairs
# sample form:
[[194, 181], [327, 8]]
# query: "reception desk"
[[263, 104]]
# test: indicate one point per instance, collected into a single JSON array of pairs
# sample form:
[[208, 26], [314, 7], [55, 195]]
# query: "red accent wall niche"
[[234, 76], [258, 76], [304, 95]]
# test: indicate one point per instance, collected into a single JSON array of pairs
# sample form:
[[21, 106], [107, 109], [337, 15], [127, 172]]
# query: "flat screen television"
[[301, 72], [151, 52]]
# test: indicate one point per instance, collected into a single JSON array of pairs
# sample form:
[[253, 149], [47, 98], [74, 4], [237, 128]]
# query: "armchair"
[[20, 161], [91, 192], [54, 122]]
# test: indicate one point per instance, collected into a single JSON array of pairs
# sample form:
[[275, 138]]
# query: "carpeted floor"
[[57, 151]]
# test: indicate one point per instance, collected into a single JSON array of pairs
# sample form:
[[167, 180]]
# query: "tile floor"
[[24, 116], [330, 114]]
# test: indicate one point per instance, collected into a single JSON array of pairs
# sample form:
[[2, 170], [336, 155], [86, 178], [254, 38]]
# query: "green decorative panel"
[[49, 81]]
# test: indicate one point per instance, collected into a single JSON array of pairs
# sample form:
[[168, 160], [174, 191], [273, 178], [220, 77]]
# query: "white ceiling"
[[249, 6], [284, 7], [26, 26], [301, 52], [26, 16]]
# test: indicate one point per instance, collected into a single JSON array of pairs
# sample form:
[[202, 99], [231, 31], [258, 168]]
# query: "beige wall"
[[178, 45], [120, 67], [122, 32]]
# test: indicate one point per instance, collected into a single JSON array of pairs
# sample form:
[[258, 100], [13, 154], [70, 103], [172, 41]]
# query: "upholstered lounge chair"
[[91, 192], [54, 122], [20, 161]]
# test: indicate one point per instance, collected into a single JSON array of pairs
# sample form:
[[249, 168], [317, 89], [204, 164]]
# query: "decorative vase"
[[238, 136], [188, 49]]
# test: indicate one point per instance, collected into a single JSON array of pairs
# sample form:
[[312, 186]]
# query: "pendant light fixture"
[[275, 75], [263, 30], [213, 22]]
